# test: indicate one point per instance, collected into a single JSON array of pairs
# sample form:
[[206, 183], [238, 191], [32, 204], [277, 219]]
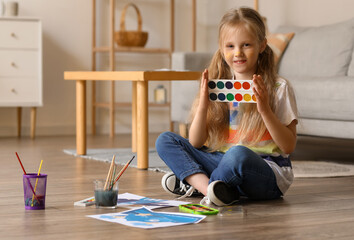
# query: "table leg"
[[112, 111], [19, 120], [142, 124], [33, 121], [134, 116], [80, 117]]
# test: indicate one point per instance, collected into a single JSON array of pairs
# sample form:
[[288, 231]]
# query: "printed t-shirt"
[[286, 111]]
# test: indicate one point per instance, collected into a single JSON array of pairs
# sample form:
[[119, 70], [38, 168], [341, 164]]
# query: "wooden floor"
[[312, 209]]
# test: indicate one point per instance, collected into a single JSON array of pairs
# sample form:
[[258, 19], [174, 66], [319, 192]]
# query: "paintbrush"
[[109, 175], [24, 172], [35, 186], [122, 171]]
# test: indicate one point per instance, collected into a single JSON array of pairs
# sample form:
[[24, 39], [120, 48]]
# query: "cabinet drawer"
[[19, 63], [19, 34], [20, 92]]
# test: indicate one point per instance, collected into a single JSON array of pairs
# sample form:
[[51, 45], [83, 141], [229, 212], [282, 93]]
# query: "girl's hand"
[[261, 93], [198, 131], [204, 92], [283, 136]]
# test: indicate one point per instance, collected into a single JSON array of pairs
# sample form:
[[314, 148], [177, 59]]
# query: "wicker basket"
[[131, 38]]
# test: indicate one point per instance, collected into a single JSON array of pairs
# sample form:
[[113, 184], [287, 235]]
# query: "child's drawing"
[[146, 218], [132, 201]]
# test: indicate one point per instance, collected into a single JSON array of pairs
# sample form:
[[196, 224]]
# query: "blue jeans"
[[239, 167]]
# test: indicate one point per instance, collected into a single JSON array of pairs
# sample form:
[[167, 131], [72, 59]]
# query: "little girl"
[[236, 149]]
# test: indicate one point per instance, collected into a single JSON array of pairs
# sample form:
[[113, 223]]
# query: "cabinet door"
[[19, 34], [20, 91], [19, 63]]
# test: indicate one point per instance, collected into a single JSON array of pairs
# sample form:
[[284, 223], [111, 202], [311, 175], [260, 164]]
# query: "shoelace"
[[188, 193], [205, 200]]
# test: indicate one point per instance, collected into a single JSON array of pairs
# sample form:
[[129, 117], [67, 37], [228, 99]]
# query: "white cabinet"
[[21, 65]]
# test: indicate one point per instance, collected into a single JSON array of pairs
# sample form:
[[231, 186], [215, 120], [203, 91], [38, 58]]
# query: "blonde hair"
[[251, 127]]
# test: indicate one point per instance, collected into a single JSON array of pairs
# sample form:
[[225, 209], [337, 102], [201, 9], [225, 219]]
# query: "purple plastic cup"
[[34, 188]]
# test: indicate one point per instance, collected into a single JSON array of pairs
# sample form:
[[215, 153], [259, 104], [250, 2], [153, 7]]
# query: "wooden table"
[[140, 80]]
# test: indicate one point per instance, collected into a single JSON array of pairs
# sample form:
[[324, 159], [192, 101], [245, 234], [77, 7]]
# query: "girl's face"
[[241, 49]]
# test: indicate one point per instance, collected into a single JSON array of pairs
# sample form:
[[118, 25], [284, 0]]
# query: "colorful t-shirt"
[[286, 111]]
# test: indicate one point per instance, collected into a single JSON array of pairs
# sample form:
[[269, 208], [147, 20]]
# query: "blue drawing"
[[144, 201], [145, 218], [144, 215]]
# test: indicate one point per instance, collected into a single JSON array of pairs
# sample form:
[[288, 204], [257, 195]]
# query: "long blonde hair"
[[251, 127]]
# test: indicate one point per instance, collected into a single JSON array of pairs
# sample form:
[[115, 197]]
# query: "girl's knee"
[[240, 158], [239, 153], [165, 138], [162, 138], [240, 150]]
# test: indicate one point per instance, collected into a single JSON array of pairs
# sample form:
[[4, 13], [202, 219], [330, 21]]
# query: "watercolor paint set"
[[228, 90], [198, 209]]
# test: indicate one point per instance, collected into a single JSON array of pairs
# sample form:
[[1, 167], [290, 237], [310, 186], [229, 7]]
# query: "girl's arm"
[[283, 136], [198, 130]]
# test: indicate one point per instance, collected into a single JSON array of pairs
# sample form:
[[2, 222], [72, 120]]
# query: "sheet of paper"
[[146, 218], [128, 200]]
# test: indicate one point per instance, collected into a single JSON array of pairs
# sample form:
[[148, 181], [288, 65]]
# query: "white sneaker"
[[221, 194], [205, 201], [171, 184]]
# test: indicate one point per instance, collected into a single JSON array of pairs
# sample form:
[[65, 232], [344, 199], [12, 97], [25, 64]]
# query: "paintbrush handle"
[[35, 186], [123, 169], [109, 175], [34, 194], [24, 171]]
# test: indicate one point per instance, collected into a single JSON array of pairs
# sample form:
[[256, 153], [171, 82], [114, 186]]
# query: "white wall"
[[67, 46]]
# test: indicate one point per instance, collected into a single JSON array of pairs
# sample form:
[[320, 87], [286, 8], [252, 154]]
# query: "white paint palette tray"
[[227, 90]]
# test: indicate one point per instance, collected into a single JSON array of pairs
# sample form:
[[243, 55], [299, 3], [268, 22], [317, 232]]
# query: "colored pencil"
[[24, 172], [122, 171], [35, 186], [109, 175]]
